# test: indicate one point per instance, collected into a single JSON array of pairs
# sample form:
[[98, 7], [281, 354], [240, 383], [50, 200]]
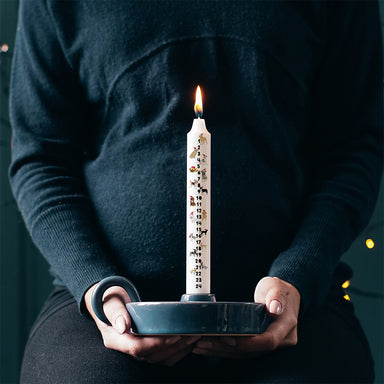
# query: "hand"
[[283, 303], [165, 350]]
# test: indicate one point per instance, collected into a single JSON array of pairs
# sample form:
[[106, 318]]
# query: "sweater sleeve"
[[46, 107], [345, 149]]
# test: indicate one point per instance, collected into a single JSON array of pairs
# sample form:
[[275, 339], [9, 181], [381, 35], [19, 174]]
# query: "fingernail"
[[192, 340], [275, 307], [172, 340], [229, 341], [120, 324]]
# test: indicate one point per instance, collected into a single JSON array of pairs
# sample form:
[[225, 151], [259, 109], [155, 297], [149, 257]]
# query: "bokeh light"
[[369, 243]]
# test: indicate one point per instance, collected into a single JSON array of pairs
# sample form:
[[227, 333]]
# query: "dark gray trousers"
[[65, 347]]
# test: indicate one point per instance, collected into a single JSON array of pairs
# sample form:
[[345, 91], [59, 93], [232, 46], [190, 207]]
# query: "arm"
[[345, 154], [47, 113], [345, 150]]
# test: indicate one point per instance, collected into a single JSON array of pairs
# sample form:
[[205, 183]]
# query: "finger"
[[217, 353], [139, 347], [271, 338], [172, 340], [145, 346], [224, 347], [117, 314], [173, 353], [215, 344], [174, 359], [150, 346], [273, 292]]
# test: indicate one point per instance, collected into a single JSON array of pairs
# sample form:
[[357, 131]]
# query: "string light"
[[369, 243], [346, 284], [4, 48]]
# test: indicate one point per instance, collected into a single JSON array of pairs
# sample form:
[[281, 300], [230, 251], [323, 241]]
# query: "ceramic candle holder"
[[205, 316]]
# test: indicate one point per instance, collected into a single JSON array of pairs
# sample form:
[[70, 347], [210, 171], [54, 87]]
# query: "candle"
[[198, 204]]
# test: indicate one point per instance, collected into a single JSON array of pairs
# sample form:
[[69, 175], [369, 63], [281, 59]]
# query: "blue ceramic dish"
[[185, 317]]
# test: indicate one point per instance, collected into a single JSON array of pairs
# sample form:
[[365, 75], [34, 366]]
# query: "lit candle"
[[198, 204]]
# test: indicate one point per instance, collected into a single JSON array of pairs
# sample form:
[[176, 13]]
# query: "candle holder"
[[195, 314]]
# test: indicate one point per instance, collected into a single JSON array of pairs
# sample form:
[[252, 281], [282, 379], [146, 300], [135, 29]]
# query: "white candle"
[[198, 204]]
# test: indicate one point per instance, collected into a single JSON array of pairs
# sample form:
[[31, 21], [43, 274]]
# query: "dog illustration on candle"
[[204, 215], [204, 159], [204, 232], [192, 236], [192, 201], [193, 183], [193, 253], [203, 140], [204, 174], [192, 217], [203, 266], [204, 190], [203, 245], [193, 154]]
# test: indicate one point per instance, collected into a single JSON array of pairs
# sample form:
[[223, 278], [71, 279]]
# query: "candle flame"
[[198, 103]]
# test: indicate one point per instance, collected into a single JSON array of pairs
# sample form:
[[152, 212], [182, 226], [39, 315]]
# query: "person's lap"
[[65, 347]]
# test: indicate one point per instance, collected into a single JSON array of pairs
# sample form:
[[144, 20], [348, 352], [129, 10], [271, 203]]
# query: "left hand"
[[283, 303]]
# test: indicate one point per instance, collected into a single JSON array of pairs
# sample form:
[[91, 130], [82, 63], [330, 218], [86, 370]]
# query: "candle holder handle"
[[103, 285]]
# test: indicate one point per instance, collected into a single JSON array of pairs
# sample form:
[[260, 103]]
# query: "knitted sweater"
[[101, 101]]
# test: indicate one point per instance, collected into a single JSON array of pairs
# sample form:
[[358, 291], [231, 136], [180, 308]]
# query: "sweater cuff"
[[85, 285]]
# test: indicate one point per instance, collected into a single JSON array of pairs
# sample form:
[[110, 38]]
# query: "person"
[[101, 101]]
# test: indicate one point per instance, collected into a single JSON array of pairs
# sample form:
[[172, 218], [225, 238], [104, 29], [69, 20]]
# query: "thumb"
[[273, 292], [115, 309]]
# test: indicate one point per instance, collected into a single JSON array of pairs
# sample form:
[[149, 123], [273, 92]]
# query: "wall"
[[24, 281]]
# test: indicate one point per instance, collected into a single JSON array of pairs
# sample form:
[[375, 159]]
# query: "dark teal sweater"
[[101, 102]]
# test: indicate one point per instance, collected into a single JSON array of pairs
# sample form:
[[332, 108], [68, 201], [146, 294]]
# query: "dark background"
[[24, 278]]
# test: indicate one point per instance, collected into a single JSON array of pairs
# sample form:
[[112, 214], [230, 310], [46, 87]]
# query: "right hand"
[[165, 350]]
